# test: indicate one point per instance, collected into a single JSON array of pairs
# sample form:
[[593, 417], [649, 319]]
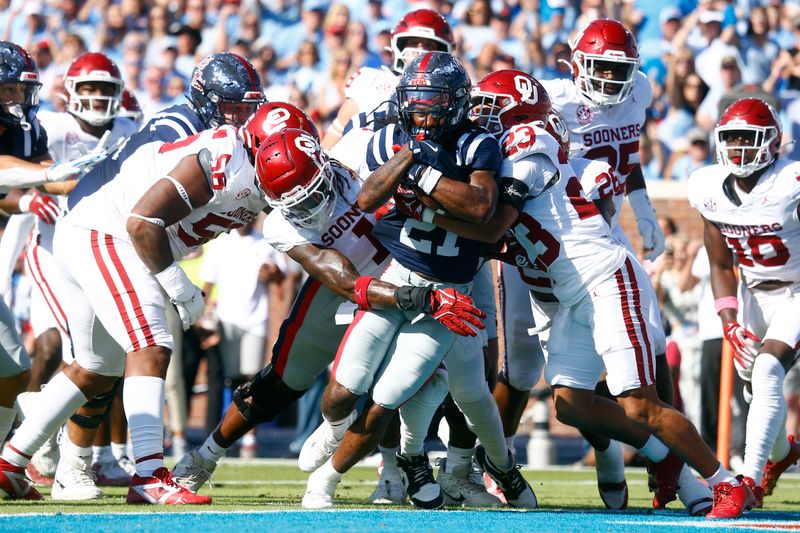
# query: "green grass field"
[[264, 485]]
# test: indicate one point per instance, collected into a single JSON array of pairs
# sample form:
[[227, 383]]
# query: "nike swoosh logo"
[[434, 148]]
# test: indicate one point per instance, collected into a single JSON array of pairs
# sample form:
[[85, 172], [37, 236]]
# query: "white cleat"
[[390, 489], [127, 465], [461, 488], [192, 471], [320, 445], [110, 474], [75, 480], [320, 492], [45, 460]]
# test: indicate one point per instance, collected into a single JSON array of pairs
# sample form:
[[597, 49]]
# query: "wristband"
[[428, 180], [413, 298], [427, 215], [360, 292], [726, 302], [25, 203]]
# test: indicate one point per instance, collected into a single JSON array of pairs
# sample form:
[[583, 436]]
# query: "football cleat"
[[109, 473], [772, 471], [417, 475], [320, 491], [320, 445], [664, 479], [758, 492], [37, 477], [614, 495], [390, 489], [516, 489], [14, 485], [75, 480], [730, 500], [127, 465], [461, 488], [192, 471], [161, 489], [45, 460]]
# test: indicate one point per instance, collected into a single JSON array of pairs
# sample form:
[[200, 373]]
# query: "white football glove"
[[187, 297], [80, 166], [647, 223]]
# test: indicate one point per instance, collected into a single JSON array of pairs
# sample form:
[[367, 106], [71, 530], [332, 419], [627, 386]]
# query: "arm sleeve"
[[483, 296]]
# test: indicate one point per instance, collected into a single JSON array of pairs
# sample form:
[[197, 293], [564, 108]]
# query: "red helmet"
[[558, 128], [97, 68], [423, 24], [506, 98], [295, 175], [605, 45], [271, 117], [129, 107], [752, 120]]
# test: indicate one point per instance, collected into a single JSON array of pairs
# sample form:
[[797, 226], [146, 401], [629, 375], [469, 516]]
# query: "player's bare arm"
[[163, 203], [382, 184], [474, 201], [723, 280], [334, 132], [336, 272], [490, 232]]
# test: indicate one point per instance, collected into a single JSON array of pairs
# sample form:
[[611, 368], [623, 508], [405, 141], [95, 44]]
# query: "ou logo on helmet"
[[526, 89], [276, 120], [309, 146]]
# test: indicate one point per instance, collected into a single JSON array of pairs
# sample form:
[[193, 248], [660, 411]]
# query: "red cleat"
[[14, 485], [772, 471], [758, 492], [664, 479], [730, 501], [37, 477], [160, 489]]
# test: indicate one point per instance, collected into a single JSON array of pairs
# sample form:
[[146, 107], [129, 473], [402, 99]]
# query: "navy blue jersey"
[[24, 144], [423, 247], [378, 118], [170, 125]]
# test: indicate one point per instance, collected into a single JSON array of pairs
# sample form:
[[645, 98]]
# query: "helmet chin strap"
[[16, 110]]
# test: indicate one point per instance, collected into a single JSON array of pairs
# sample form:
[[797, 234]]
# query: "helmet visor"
[[237, 113], [16, 97]]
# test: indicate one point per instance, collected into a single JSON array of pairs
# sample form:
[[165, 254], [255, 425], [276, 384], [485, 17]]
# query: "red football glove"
[[41, 205], [386, 209], [456, 312], [407, 203], [510, 251], [745, 346]]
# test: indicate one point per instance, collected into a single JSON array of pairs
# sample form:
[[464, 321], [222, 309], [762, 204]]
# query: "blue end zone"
[[389, 521]]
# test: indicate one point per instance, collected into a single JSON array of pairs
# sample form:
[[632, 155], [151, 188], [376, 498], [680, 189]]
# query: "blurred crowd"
[[699, 56]]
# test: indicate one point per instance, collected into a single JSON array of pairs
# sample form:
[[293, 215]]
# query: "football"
[[426, 198]]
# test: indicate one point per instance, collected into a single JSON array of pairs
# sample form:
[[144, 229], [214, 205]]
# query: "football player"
[[225, 90], [750, 203], [432, 100], [369, 90], [601, 309]]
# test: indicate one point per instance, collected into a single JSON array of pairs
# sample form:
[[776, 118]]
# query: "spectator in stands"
[[154, 97], [730, 75], [187, 41], [159, 37], [305, 73], [697, 155], [757, 48], [474, 32], [358, 44], [330, 92]]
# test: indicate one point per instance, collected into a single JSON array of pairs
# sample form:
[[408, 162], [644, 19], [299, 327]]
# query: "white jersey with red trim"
[[349, 230], [563, 232], [763, 227], [370, 87], [235, 199], [65, 140], [610, 133]]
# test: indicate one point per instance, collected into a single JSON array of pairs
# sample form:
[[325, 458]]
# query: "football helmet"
[[558, 128], [225, 89], [421, 24], [19, 87], [296, 177], [751, 121], [129, 107], [605, 46], [95, 68], [271, 117], [434, 85], [506, 98]]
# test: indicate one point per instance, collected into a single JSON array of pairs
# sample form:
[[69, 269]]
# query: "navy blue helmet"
[[434, 84], [225, 89], [19, 87]]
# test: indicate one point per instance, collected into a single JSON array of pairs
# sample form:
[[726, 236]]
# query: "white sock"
[[721, 475], [767, 412], [211, 451], [458, 457], [781, 447], [119, 450], [51, 408], [417, 413], [654, 449], [143, 398], [483, 419], [339, 427], [690, 488], [7, 415], [67, 448], [610, 465], [102, 453], [328, 471], [389, 456]]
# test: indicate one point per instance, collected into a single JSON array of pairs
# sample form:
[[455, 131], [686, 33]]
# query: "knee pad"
[[101, 401], [269, 397]]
